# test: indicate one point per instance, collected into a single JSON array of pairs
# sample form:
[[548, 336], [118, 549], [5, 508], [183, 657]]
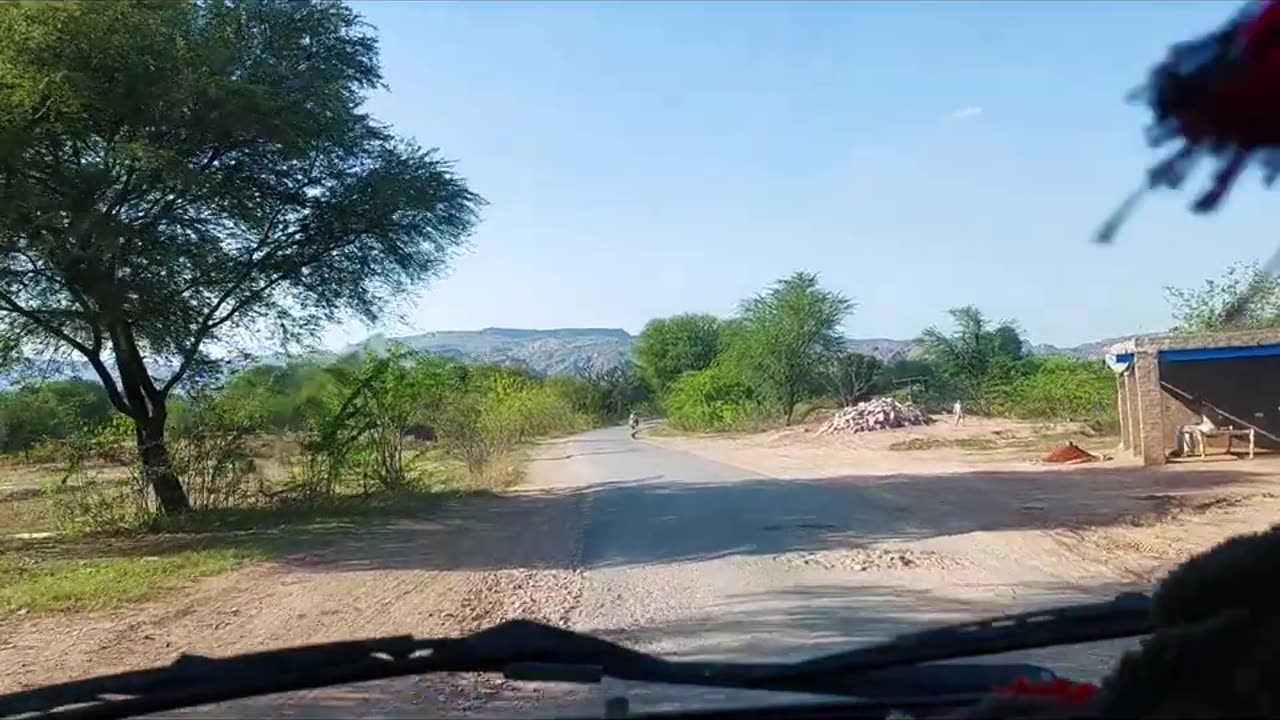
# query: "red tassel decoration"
[[1220, 96]]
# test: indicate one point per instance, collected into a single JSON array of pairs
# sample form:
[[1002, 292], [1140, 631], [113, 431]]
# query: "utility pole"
[[911, 383]]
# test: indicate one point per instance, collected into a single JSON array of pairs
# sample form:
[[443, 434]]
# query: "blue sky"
[[648, 158]]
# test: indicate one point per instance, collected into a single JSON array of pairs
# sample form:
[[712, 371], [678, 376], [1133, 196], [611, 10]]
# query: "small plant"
[[87, 502]]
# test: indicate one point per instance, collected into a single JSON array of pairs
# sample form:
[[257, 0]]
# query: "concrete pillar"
[[1146, 371], [1122, 409], [1135, 420]]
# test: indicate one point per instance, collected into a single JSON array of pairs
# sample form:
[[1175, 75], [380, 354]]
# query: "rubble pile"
[[1069, 452], [879, 413]]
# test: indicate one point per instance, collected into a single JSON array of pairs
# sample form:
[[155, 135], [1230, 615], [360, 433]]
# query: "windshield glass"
[[722, 331]]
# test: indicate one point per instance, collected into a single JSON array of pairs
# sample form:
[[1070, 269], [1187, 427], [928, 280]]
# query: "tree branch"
[[130, 382], [134, 356], [109, 384], [7, 303], [92, 353], [211, 322]]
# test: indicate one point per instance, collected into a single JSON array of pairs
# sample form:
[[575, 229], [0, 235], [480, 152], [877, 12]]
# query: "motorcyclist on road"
[[633, 422]]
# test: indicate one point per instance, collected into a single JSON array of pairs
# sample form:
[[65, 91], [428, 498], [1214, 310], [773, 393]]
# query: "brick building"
[[1163, 380]]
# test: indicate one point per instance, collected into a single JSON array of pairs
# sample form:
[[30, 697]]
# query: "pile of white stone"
[[879, 413]]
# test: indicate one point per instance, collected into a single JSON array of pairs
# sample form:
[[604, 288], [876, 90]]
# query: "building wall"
[[1244, 391], [1146, 371], [1135, 422], [1176, 414]]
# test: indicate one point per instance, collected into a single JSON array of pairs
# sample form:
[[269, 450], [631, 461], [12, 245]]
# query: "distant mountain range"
[[889, 350], [554, 351], [574, 350], [561, 350]]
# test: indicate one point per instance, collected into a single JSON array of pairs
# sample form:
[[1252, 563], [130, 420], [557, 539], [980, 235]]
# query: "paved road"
[[692, 558]]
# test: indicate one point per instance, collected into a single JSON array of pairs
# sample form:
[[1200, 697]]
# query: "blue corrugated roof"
[[1224, 353]]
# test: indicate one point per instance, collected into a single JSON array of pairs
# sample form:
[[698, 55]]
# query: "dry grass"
[[49, 565]]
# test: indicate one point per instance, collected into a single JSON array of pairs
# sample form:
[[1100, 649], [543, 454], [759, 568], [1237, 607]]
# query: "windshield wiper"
[[1126, 615], [525, 650]]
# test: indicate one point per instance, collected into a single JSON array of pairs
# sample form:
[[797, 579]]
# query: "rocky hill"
[[574, 350], [559, 350], [889, 350]]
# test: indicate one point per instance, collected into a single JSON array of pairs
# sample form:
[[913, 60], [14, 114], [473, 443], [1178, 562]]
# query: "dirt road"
[[661, 549]]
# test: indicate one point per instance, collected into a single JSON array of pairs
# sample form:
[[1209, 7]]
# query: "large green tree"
[[1245, 297], [669, 347], [974, 351], [178, 175], [788, 334], [852, 375]]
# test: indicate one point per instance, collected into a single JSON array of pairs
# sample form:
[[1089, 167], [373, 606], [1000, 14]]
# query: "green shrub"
[[499, 408], [1058, 388], [718, 398], [286, 398], [39, 416]]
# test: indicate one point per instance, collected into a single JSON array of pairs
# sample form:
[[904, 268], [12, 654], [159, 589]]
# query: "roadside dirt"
[[941, 447], [1111, 520], [472, 566]]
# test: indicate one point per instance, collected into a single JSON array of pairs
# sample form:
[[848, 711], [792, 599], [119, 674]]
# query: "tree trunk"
[[157, 467]]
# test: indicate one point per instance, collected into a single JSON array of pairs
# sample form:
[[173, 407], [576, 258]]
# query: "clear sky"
[[647, 158]]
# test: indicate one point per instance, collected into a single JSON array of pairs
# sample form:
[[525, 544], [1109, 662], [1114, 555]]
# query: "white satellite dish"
[[1119, 349]]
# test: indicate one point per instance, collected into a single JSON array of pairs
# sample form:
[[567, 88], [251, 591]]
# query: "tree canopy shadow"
[[658, 519], [670, 517]]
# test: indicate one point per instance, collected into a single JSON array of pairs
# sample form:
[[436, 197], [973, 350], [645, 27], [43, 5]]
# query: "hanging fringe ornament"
[[1220, 97]]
